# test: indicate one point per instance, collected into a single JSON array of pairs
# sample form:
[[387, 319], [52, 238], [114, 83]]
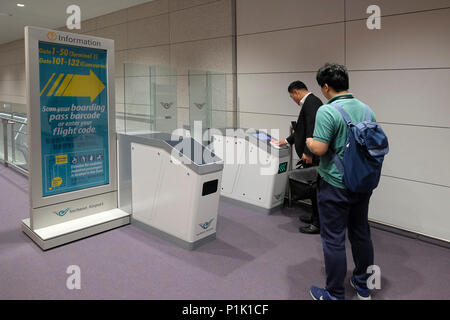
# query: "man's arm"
[[318, 148], [324, 132], [291, 139]]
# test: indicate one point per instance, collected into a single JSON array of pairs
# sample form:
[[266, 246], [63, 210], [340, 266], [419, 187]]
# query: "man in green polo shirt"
[[339, 208]]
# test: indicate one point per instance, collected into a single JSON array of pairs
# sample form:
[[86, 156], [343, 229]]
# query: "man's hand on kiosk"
[[278, 143]]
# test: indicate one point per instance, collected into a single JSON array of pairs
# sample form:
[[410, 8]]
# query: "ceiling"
[[50, 13]]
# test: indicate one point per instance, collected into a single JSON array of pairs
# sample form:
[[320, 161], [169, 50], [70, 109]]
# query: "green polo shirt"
[[331, 128]]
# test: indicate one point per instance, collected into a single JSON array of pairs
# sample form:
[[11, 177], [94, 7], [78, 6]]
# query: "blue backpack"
[[364, 153]]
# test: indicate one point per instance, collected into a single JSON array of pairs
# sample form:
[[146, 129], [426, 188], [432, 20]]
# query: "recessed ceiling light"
[[20, 5]]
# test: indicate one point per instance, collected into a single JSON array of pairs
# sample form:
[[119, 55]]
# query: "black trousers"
[[315, 210]]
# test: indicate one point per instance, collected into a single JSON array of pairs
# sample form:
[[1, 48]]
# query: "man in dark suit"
[[304, 129]]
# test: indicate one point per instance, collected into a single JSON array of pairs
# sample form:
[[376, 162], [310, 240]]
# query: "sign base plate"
[[62, 233]]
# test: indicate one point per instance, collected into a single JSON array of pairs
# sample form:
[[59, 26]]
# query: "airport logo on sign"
[[52, 36], [207, 224], [62, 213]]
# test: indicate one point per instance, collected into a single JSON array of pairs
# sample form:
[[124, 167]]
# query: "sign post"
[[71, 136]]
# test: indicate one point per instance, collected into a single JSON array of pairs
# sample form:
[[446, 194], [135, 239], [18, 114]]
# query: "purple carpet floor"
[[255, 256]]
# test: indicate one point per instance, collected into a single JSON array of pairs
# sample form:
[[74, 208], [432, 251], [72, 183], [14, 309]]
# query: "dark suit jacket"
[[305, 126]]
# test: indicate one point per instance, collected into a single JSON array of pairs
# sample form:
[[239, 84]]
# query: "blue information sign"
[[74, 117]]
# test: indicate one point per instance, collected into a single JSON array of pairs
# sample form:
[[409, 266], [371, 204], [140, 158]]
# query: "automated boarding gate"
[[255, 171], [171, 186]]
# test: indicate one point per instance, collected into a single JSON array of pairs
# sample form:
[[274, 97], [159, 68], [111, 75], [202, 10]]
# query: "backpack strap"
[[347, 118], [368, 114], [337, 161], [344, 114]]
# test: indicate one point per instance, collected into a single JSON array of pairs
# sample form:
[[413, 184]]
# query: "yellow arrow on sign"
[[84, 86]]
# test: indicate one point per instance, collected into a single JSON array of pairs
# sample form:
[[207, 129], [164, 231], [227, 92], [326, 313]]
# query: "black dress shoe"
[[311, 229], [304, 219]]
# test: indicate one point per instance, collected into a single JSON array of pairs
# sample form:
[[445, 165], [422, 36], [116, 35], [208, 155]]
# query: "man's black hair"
[[297, 85], [334, 75]]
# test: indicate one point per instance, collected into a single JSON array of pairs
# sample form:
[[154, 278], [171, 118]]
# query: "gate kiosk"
[[171, 186], [71, 137], [255, 171]]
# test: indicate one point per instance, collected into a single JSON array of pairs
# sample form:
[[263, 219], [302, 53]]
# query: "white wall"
[[402, 71], [183, 34], [173, 33]]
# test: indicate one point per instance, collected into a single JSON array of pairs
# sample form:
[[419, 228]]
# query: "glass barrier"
[[208, 99], [200, 99], [164, 85], [220, 116], [150, 99]]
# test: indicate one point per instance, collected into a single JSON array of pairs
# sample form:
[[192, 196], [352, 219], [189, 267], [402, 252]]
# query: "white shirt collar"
[[304, 99]]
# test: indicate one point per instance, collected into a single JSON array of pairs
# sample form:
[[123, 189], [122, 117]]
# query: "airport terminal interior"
[[138, 146]]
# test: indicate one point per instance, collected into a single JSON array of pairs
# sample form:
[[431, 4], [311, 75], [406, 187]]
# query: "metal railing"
[[13, 141]]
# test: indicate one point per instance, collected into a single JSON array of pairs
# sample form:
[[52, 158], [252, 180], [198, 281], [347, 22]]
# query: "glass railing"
[[13, 140]]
